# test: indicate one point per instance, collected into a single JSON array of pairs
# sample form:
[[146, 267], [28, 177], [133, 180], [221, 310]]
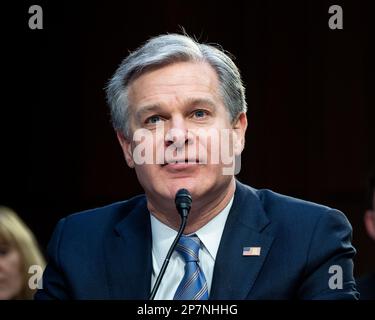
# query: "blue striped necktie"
[[193, 285]]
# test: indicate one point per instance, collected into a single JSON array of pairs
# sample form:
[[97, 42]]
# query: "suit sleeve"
[[329, 266], [54, 283]]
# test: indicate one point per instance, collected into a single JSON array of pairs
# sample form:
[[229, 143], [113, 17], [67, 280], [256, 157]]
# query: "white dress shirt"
[[162, 238]]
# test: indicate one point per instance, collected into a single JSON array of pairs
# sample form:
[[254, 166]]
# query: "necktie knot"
[[188, 247]]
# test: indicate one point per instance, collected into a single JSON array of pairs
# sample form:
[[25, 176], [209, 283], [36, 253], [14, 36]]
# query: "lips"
[[181, 167], [180, 162]]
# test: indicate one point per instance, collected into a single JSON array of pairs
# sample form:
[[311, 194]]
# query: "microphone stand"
[[166, 261], [183, 203]]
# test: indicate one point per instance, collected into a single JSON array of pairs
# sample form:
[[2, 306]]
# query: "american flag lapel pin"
[[251, 251]]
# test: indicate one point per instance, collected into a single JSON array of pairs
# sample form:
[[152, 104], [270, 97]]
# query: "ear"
[[126, 149], [240, 126], [369, 220]]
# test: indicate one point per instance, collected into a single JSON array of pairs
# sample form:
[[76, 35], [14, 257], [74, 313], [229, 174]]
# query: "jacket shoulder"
[[286, 209], [101, 216]]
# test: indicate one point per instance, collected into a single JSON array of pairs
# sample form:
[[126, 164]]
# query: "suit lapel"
[[235, 274], [128, 255]]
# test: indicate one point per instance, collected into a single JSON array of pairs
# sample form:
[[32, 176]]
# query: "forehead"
[[175, 82]]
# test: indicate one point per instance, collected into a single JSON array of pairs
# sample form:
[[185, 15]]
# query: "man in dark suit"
[[179, 111]]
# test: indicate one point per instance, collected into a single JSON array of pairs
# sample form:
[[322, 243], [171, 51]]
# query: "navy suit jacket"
[[105, 253]]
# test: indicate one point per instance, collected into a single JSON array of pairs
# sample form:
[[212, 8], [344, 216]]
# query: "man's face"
[[180, 106]]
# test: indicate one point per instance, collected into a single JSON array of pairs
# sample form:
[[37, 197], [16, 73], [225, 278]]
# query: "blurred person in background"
[[366, 284], [18, 251]]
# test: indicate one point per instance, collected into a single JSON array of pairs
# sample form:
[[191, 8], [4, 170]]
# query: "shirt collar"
[[210, 234]]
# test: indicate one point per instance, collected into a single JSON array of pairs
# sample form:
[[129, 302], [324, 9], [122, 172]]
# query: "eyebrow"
[[145, 109], [188, 102], [204, 101]]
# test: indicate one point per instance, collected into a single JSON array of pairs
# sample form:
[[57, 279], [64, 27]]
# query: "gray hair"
[[164, 50]]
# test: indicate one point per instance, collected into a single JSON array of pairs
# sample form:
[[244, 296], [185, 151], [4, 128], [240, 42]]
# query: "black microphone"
[[183, 204]]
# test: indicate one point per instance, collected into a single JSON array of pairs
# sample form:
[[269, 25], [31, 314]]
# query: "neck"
[[202, 211]]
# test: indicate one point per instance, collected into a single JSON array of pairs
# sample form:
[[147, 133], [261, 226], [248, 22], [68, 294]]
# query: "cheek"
[[11, 262], [11, 271], [147, 148], [217, 147], [15, 262]]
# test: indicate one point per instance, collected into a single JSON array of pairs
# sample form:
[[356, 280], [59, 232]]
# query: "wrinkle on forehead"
[[175, 82]]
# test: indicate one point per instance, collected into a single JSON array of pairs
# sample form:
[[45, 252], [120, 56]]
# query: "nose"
[[177, 133]]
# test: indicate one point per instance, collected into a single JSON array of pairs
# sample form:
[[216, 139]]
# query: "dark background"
[[310, 92]]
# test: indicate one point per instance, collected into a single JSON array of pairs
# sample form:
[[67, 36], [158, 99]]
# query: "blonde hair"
[[15, 233]]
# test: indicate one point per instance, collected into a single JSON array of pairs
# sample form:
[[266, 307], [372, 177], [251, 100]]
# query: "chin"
[[192, 185]]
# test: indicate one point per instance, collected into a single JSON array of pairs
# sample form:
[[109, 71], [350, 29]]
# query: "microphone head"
[[183, 202]]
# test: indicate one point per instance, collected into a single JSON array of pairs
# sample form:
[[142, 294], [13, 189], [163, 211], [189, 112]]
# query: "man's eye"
[[153, 119], [200, 113]]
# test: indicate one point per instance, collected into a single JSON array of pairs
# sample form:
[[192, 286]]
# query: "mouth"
[[180, 165], [181, 162]]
